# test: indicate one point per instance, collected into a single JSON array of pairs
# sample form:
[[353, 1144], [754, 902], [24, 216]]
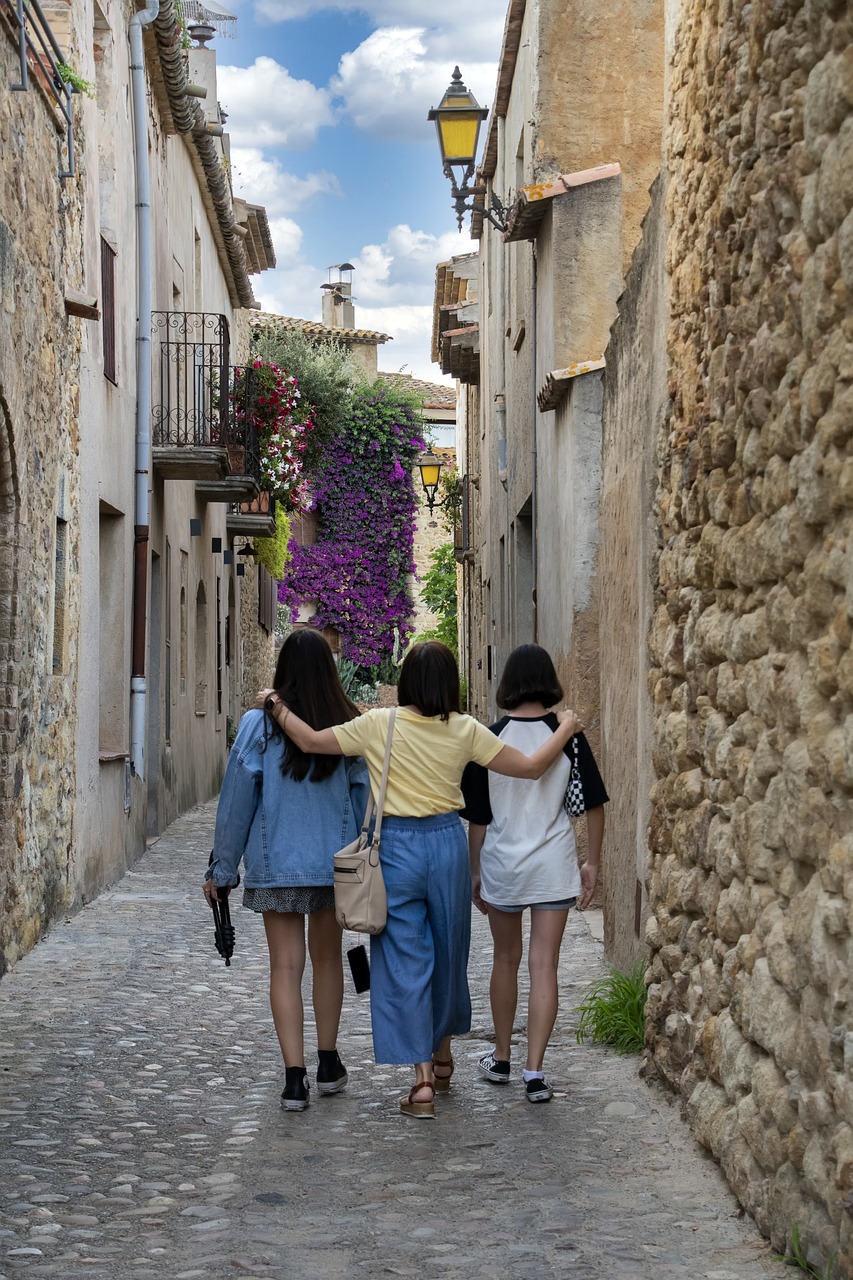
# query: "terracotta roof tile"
[[314, 329]]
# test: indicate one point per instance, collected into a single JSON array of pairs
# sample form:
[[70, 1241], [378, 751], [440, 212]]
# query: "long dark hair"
[[307, 679], [429, 680], [528, 676]]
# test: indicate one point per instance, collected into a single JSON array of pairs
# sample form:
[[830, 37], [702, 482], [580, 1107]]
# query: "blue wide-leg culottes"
[[419, 963]]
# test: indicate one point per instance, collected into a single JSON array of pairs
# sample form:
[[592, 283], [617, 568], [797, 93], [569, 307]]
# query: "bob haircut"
[[528, 676], [429, 680], [307, 679]]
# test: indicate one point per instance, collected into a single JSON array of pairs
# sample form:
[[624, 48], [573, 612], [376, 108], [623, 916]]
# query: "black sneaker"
[[295, 1093], [493, 1068], [538, 1089], [331, 1073]]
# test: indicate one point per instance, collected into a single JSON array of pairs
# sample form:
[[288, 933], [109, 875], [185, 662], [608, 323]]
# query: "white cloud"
[[411, 328], [399, 62], [262, 180], [402, 269], [270, 108], [454, 31], [392, 283]]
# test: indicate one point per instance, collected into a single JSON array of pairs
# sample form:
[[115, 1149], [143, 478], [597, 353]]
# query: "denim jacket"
[[286, 832]]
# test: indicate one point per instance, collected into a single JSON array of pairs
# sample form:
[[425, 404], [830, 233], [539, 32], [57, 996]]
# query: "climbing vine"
[[358, 572]]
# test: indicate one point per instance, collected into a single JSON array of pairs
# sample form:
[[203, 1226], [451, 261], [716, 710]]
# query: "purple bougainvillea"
[[359, 568]]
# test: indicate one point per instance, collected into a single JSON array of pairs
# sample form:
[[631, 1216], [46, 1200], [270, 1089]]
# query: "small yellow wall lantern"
[[430, 469]]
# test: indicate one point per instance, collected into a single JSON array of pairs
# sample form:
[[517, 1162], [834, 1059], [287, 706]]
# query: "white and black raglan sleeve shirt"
[[529, 853]]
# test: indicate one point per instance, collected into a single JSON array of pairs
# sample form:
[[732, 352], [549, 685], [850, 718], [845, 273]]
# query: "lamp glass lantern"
[[430, 469], [457, 122]]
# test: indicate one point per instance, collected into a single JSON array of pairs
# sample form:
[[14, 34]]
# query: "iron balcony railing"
[[40, 55], [199, 399]]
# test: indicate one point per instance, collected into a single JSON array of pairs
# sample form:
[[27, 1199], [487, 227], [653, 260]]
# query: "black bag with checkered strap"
[[573, 801]]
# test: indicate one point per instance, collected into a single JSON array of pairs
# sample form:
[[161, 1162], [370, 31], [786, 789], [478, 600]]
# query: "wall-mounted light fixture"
[[430, 468], [457, 122]]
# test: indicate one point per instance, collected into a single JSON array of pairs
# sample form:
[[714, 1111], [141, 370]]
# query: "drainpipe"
[[138, 695]]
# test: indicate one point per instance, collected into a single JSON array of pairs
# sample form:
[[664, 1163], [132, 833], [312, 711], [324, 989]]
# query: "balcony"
[[42, 62], [202, 425], [254, 519]]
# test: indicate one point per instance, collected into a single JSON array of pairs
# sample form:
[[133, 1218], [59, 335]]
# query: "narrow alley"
[[141, 1133]]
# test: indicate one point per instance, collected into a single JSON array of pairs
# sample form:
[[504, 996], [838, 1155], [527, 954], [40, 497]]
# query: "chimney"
[[338, 311]]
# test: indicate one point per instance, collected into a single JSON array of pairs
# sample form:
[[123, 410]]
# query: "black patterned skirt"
[[301, 899]]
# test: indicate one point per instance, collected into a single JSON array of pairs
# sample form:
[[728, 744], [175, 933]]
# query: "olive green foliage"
[[326, 374], [78, 83], [273, 553], [438, 588], [797, 1258], [612, 1011]]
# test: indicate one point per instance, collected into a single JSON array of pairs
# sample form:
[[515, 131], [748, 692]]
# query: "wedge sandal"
[[419, 1110], [442, 1082]]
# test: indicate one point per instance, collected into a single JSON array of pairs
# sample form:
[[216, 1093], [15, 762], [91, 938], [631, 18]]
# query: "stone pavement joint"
[[141, 1133]]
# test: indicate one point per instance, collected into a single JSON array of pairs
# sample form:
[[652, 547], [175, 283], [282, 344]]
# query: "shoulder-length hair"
[[307, 679], [528, 676], [429, 680]]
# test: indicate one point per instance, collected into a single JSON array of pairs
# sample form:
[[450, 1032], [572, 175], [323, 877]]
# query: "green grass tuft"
[[612, 1011], [797, 1258]]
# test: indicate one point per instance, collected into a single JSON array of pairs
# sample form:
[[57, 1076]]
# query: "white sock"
[[532, 1075]]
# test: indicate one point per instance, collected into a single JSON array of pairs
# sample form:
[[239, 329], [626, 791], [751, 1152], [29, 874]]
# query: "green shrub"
[[358, 683], [439, 596], [327, 375], [273, 552], [612, 1011]]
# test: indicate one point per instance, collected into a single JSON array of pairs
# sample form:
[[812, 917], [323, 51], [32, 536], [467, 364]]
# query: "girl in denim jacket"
[[283, 812]]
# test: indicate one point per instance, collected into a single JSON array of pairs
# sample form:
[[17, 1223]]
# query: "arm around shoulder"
[[515, 764]]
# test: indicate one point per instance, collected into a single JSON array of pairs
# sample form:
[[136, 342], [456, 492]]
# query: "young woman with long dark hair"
[[419, 988], [283, 812]]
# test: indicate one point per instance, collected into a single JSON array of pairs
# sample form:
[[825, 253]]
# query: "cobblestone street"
[[141, 1133]]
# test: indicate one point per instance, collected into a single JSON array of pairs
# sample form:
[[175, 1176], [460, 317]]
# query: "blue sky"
[[327, 108]]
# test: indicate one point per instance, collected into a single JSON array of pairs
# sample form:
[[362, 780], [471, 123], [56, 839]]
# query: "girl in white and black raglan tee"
[[529, 854]]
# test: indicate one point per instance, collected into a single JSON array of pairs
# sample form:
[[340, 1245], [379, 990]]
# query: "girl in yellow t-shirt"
[[419, 986]]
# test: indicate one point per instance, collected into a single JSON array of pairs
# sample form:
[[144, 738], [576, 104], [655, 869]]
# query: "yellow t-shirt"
[[428, 755]]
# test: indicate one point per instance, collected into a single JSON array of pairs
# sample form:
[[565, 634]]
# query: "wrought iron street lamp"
[[430, 469], [457, 122]]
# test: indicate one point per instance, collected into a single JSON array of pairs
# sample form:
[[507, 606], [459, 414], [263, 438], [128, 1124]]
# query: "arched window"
[[201, 647]]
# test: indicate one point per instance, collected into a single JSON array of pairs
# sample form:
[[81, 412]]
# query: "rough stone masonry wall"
[[40, 255], [751, 1002]]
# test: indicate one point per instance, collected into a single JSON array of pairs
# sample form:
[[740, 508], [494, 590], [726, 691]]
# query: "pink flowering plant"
[[271, 399], [360, 568]]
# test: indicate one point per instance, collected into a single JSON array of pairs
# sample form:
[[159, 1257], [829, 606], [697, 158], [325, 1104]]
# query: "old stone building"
[[120, 609], [524, 326], [689, 476], [41, 238]]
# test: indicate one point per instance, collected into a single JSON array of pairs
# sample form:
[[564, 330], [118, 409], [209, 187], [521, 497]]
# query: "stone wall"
[[40, 256], [634, 408], [750, 1013], [258, 653]]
